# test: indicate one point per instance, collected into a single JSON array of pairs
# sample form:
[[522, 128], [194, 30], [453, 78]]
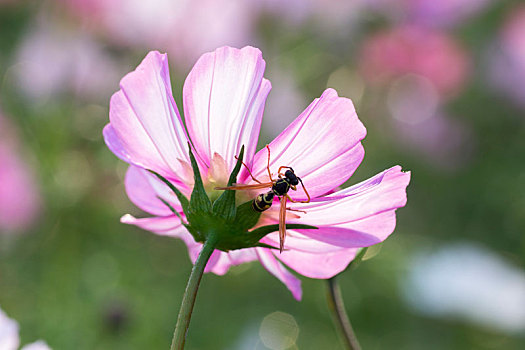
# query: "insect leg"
[[249, 172], [282, 223], [296, 201], [284, 167], [268, 167], [305, 191], [300, 211], [246, 187]]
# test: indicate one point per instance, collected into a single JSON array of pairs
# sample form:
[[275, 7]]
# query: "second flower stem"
[[337, 308], [188, 300]]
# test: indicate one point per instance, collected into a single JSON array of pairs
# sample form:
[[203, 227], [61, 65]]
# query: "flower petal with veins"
[[313, 265], [159, 142], [224, 98], [323, 145]]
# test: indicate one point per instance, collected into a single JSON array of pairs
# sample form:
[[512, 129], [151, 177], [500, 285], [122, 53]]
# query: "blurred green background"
[[438, 88]]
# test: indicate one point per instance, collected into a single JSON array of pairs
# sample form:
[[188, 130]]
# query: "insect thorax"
[[281, 187]]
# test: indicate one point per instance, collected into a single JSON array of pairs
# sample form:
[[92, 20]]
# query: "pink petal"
[[323, 265], [295, 240], [242, 256], [145, 127], [143, 188], [278, 270], [224, 98], [354, 234], [161, 225], [20, 201], [322, 145], [219, 263], [384, 192]]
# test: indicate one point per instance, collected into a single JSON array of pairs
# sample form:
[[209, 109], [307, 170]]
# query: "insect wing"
[[246, 187], [282, 223]]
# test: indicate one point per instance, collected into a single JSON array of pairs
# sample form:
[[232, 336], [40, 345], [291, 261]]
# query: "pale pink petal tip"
[[161, 225], [360, 215], [145, 126], [273, 266], [224, 97]]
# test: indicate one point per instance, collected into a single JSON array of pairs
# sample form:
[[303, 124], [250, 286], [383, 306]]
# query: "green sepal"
[[358, 258], [246, 217], [182, 199], [170, 208], [264, 245], [188, 227], [237, 239], [224, 206], [199, 201], [198, 235]]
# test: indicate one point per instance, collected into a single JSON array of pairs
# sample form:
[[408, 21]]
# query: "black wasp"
[[279, 187]]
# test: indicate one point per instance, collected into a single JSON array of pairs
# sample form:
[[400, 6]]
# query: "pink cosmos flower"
[[9, 338], [415, 50], [421, 127], [53, 60], [19, 197], [223, 101]]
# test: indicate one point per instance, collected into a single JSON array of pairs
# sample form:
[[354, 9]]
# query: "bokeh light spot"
[[279, 331]]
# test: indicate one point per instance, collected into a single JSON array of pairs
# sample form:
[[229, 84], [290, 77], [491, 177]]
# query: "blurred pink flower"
[[507, 60], [184, 28], [441, 13], [420, 126], [415, 50], [19, 198], [53, 60], [9, 338], [443, 141], [223, 99]]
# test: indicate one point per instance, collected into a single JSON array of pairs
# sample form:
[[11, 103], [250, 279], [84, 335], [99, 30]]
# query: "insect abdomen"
[[263, 201]]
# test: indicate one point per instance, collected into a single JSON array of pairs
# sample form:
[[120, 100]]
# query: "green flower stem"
[[337, 308], [188, 301]]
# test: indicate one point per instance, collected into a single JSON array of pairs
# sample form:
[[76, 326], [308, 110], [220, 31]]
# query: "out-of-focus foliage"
[[433, 94]]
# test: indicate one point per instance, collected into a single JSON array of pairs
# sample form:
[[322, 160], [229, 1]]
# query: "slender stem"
[[188, 301], [337, 308]]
